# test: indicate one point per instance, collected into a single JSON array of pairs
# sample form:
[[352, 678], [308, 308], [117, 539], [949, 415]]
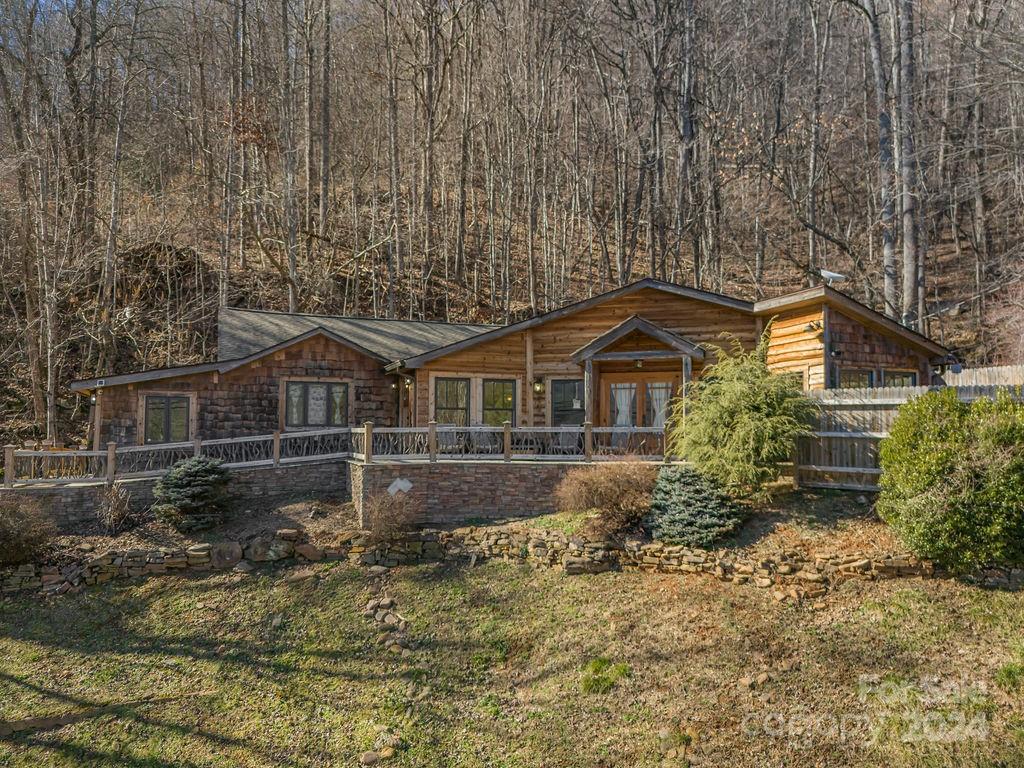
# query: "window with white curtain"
[[623, 404], [656, 397]]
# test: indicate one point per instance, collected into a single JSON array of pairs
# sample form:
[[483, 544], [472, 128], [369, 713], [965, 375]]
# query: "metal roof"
[[244, 332], [248, 334]]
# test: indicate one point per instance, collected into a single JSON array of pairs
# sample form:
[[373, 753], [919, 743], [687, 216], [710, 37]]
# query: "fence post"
[[367, 442], [508, 440], [796, 463], [432, 439], [8, 466], [111, 462], [277, 448], [588, 440], [197, 447]]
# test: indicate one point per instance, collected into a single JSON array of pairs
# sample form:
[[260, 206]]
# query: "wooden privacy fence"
[[841, 453]]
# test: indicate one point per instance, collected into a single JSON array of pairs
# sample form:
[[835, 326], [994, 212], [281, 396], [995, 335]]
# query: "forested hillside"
[[488, 160]]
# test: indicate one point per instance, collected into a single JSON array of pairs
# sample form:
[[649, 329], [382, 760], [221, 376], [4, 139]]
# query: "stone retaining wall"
[[74, 504], [451, 492], [790, 575]]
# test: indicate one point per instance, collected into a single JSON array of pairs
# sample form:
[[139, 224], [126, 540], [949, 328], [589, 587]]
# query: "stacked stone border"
[[790, 574]]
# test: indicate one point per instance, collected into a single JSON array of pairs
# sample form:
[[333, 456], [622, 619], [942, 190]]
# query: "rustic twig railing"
[[436, 442], [841, 453]]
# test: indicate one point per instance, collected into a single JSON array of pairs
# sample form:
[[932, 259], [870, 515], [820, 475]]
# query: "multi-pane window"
[[167, 419], [316, 404], [856, 378], [499, 401], [567, 403], [451, 401], [899, 379]]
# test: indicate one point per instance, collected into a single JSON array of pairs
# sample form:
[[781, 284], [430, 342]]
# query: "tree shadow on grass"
[[41, 731]]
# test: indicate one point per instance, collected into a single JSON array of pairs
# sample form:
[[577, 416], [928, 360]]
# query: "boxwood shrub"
[[952, 483]]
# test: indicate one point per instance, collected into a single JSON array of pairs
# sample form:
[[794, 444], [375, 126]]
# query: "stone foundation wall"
[[450, 492], [73, 505]]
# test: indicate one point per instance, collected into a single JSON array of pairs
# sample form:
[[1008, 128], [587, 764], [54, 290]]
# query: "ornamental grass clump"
[[952, 484], [25, 529], [193, 495], [739, 421], [617, 493], [388, 517]]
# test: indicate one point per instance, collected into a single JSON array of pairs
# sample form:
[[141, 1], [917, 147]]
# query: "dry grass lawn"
[[517, 667]]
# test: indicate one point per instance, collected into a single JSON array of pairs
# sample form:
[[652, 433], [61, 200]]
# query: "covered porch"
[[632, 372]]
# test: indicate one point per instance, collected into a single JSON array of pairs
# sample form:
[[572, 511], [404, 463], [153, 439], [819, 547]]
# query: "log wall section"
[[796, 344], [554, 342]]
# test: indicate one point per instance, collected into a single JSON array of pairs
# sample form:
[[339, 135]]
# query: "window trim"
[[140, 419], [476, 379], [902, 371], [515, 398], [282, 402], [549, 404], [872, 376], [469, 396]]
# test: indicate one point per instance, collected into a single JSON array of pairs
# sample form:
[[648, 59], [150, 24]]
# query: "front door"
[[637, 399]]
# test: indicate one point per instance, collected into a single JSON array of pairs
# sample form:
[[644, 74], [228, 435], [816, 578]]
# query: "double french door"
[[637, 400]]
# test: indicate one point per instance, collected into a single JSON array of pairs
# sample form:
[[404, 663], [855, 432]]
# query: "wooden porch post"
[[432, 440], [8, 466], [367, 442], [687, 373], [588, 391], [97, 420], [111, 462], [508, 440], [277, 448], [588, 441], [528, 384]]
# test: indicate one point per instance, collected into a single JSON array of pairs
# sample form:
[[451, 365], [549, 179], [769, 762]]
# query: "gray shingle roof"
[[242, 332]]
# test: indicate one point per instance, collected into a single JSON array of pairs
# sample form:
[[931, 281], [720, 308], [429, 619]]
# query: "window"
[[451, 401], [856, 378], [499, 402], [899, 378], [656, 399], [315, 404], [567, 403], [167, 418], [623, 405]]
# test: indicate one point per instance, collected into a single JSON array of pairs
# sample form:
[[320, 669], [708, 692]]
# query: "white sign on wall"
[[399, 485]]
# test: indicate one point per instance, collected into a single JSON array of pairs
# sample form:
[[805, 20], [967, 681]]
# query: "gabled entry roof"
[[646, 327]]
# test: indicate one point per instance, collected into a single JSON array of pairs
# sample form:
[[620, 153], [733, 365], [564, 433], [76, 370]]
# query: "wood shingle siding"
[[861, 347], [247, 400]]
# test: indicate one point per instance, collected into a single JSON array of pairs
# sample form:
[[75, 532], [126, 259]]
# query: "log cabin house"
[[615, 359]]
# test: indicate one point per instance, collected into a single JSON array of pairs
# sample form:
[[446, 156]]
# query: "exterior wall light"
[[538, 386], [639, 363]]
